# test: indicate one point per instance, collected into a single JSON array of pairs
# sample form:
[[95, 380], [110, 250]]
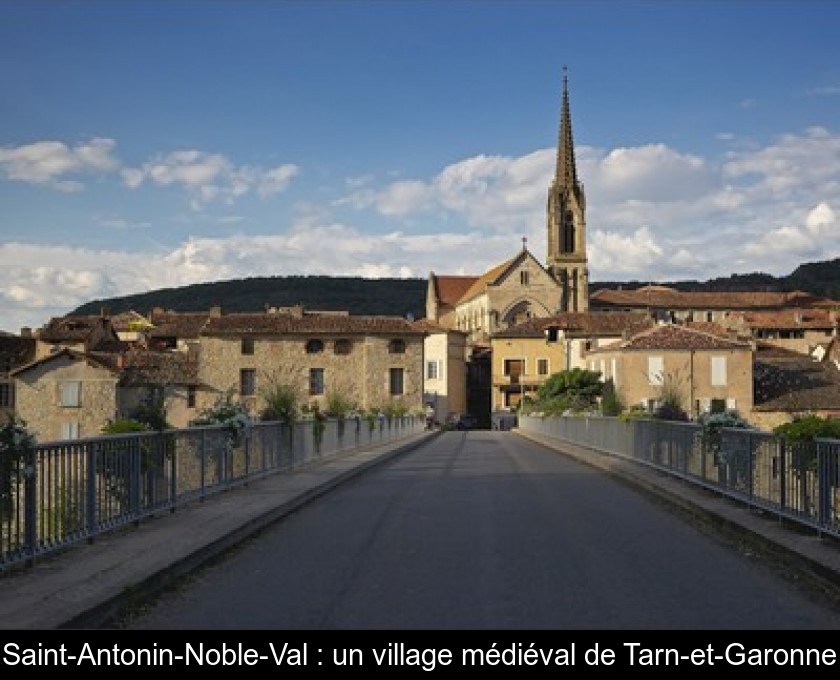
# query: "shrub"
[[281, 403], [229, 414]]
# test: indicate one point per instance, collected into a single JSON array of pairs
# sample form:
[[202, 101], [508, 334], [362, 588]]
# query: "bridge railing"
[[71, 491], [800, 483]]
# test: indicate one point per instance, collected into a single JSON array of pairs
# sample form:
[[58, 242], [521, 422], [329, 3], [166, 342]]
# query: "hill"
[[403, 297], [400, 297]]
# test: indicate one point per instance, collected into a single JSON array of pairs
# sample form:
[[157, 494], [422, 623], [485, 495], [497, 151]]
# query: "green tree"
[[576, 389]]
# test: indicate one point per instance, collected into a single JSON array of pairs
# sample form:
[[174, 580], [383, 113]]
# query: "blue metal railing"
[[72, 491], [799, 483]]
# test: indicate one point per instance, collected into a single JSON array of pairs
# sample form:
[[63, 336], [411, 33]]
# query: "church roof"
[[450, 289]]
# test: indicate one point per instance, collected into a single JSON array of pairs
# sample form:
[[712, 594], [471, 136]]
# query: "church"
[[522, 287]]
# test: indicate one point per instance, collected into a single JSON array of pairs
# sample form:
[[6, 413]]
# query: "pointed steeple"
[[566, 223], [566, 172]]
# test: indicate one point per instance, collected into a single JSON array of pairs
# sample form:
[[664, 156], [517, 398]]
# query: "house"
[[370, 361], [70, 393], [525, 355], [445, 375], [797, 329], [669, 305], [703, 371]]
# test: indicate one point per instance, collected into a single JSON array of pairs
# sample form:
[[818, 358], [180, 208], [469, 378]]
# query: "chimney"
[[26, 332]]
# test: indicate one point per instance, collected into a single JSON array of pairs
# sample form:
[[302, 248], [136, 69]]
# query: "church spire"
[[566, 224], [566, 173]]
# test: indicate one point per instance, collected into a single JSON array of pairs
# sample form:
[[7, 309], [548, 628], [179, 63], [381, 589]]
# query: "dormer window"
[[314, 346], [396, 346]]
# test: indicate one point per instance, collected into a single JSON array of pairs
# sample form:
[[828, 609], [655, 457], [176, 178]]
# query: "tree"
[[576, 389]]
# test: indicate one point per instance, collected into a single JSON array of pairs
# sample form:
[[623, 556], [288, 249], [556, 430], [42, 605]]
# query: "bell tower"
[[566, 221]]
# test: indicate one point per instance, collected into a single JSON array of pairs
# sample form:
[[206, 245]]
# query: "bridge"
[[88, 585]]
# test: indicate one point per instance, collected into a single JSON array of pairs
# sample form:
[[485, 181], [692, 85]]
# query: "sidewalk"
[[82, 586], [86, 584]]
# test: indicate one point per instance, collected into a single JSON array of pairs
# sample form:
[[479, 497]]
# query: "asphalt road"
[[483, 530]]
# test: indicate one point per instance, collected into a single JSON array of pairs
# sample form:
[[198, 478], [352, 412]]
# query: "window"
[[396, 346], [314, 346], [70, 429], [718, 371], [6, 395], [316, 381], [717, 405], [656, 371], [524, 278], [191, 392], [433, 371], [542, 366], [247, 382], [70, 394], [342, 347], [247, 345], [395, 381], [514, 367]]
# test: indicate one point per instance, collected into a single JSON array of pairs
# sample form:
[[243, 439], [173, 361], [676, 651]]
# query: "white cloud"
[[48, 161], [653, 213], [210, 177]]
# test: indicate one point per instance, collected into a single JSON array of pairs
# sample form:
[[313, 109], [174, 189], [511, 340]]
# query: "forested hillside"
[[403, 297]]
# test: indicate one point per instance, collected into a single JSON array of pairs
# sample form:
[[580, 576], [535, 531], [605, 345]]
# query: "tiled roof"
[[281, 324], [791, 319], [673, 337], [143, 367], [481, 283], [789, 381], [177, 324], [70, 328], [581, 323], [450, 289], [106, 361], [663, 296], [431, 326]]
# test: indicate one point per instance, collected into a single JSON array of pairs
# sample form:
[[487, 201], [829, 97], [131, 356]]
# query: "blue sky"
[[154, 144]]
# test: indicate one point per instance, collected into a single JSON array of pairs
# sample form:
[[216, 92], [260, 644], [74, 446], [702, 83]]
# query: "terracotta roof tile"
[[673, 337], [281, 324], [663, 296], [582, 323], [791, 319], [789, 381], [177, 324], [450, 289], [143, 367]]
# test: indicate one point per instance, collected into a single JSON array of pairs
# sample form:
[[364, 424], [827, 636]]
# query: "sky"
[[156, 144]]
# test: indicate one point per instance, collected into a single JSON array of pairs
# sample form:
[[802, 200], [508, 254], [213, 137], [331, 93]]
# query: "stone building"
[[370, 361], [707, 372]]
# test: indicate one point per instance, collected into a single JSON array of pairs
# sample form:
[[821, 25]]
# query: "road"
[[486, 530]]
